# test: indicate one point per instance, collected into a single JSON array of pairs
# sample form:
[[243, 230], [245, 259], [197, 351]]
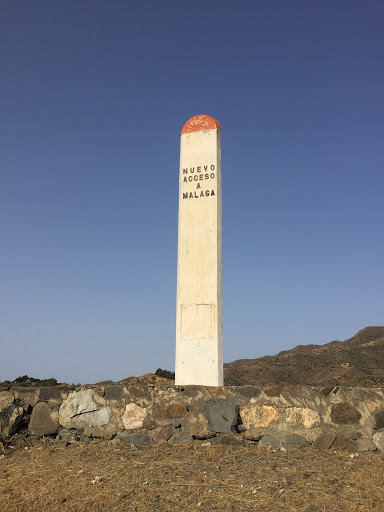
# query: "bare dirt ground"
[[104, 478]]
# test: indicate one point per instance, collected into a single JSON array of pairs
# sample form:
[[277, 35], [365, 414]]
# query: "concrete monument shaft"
[[199, 310]]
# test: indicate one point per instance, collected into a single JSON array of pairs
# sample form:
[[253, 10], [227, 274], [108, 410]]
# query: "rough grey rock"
[[29, 396], [11, 415], [162, 434], [183, 437], [324, 441], [197, 425], [99, 432], [135, 439], [6, 398], [222, 415], [67, 436], [344, 443], [228, 440], [192, 391], [33, 441], [378, 440], [365, 445], [50, 393], [80, 410], [344, 413], [113, 393], [248, 391], [378, 416], [278, 441], [41, 423]]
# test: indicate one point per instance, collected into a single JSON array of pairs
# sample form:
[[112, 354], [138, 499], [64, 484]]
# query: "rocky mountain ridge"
[[358, 361]]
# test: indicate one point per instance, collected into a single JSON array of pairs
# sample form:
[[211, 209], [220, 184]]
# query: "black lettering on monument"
[[196, 177], [196, 195], [201, 176], [185, 171], [190, 195], [199, 169], [192, 169], [206, 176], [190, 178], [205, 167], [212, 167], [185, 195], [212, 175], [185, 179], [207, 193], [212, 193], [198, 185], [201, 193]]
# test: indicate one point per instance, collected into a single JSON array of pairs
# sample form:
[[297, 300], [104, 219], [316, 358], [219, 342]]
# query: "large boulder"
[[80, 410], [134, 416], [10, 418], [254, 416], [222, 415], [6, 398], [41, 423]]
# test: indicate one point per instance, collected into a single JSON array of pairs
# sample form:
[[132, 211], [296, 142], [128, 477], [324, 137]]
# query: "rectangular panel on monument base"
[[199, 311]]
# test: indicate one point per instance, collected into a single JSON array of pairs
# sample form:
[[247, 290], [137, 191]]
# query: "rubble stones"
[[259, 416], [80, 410], [133, 417], [345, 413], [183, 437], [302, 416], [138, 439], [162, 434], [11, 415], [222, 415], [26, 396], [6, 398], [285, 441], [378, 440], [341, 419], [324, 441], [41, 423], [249, 391], [166, 413], [114, 393], [197, 425], [378, 416], [50, 393]]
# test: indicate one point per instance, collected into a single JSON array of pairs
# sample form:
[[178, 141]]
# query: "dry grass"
[[183, 478]]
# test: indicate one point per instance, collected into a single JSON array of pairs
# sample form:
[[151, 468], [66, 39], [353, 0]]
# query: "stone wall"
[[272, 417]]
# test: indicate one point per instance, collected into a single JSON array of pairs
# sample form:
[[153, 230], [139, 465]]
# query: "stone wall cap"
[[199, 123]]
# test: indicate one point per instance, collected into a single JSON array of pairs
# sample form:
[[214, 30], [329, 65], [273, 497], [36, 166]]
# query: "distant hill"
[[358, 361]]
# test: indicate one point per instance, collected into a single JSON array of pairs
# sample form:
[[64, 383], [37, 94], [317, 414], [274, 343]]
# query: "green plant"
[[6, 435], [165, 373]]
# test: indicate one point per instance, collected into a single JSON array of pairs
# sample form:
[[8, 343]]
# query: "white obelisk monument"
[[199, 304]]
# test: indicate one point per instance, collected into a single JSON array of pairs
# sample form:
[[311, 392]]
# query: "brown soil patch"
[[183, 478]]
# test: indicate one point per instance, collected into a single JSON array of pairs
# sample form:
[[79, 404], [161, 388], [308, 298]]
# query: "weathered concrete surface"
[[199, 316]]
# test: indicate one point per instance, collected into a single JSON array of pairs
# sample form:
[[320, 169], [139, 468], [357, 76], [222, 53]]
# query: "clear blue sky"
[[94, 95]]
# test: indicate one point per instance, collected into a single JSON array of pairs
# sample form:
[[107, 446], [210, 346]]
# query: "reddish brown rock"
[[168, 411]]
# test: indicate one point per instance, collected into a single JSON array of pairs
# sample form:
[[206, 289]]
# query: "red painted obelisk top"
[[199, 123]]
